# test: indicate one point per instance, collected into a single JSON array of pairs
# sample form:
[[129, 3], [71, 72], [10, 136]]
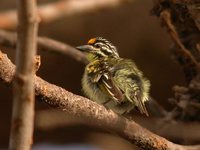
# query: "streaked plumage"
[[113, 81]]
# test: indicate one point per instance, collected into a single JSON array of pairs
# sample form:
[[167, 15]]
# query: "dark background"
[[137, 35]]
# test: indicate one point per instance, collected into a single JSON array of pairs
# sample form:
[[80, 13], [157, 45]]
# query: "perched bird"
[[115, 82]]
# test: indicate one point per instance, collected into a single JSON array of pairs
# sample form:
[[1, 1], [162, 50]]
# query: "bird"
[[112, 81]]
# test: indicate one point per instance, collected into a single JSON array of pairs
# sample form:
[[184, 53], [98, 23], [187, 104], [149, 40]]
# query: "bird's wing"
[[130, 85], [108, 86]]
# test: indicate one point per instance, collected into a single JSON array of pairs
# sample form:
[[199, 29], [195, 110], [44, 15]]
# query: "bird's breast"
[[92, 89]]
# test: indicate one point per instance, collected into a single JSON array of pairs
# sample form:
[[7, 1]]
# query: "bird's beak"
[[84, 48]]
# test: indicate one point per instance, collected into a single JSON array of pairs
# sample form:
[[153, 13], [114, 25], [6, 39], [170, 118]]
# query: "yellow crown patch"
[[92, 41]]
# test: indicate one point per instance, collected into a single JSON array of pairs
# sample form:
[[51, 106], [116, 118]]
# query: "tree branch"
[[180, 17], [23, 85], [8, 39], [92, 112], [190, 65], [47, 120], [53, 11], [61, 48]]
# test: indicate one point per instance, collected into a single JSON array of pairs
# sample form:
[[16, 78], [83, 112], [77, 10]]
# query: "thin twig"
[[91, 112], [156, 109], [190, 65], [176, 16], [8, 39], [23, 87], [166, 18], [61, 48], [59, 9]]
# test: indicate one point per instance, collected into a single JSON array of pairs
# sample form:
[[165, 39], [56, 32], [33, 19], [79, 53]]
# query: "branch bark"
[[53, 11], [92, 112], [23, 85]]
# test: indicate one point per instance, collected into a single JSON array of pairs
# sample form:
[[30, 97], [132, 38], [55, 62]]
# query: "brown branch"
[[179, 131], [61, 48], [180, 17], [166, 17], [53, 11], [23, 84], [91, 112], [8, 39], [155, 108], [190, 64]]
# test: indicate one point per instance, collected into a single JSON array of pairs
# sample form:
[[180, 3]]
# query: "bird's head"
[[98, 48]]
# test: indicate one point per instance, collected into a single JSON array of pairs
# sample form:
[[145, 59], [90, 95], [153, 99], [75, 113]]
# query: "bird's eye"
[[97, 45]]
